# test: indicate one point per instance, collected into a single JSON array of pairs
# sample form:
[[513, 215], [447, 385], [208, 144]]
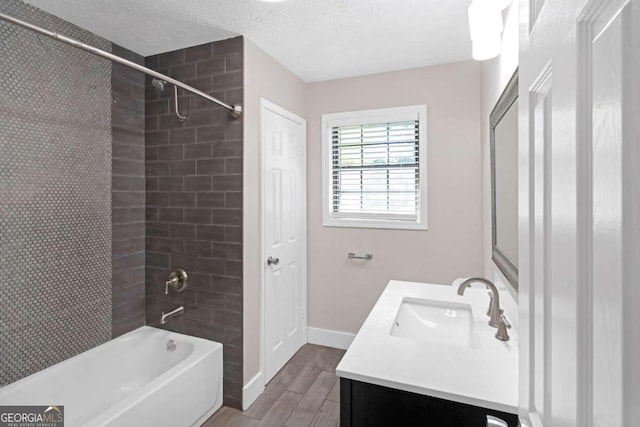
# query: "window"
[[374, 168]]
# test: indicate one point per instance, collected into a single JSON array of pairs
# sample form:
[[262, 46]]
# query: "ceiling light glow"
[[485, 27]]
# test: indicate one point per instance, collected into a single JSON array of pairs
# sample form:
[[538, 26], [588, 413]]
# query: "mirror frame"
[[506, 100]]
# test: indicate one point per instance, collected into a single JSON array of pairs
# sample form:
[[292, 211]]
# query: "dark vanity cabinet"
[[367, 405]]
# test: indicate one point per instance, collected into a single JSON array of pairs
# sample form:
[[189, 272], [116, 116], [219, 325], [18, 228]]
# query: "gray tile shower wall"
[[55, 195], [194, 200], [127, 191]]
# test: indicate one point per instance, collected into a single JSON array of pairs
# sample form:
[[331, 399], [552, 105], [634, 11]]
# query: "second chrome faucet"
[[495, 313]]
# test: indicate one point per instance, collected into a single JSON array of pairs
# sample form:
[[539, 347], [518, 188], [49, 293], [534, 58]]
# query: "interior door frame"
[[265, 105]]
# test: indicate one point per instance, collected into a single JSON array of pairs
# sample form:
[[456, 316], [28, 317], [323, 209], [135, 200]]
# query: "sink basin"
[[441, 322]]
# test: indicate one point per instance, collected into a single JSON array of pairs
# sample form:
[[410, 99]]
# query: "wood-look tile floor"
[[306, 392]]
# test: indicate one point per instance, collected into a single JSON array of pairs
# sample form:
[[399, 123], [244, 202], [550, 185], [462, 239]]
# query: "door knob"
[[273, 261]]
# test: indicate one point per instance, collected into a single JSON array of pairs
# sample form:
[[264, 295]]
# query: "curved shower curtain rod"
[[234, 110]]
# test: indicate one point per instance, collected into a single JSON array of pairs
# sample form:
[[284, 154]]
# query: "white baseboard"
[[252, 390], [328, 338]]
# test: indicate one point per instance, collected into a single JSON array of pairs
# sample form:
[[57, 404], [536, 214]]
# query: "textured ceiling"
[[316, 39]]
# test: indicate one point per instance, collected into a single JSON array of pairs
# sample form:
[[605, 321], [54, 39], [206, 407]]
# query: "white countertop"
[[485, 375]]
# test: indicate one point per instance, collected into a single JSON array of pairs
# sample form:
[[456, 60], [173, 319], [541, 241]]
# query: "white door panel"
[[284, 228], [579, 205]]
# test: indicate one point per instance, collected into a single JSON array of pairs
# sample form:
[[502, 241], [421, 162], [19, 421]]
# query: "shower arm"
[[234, 110]]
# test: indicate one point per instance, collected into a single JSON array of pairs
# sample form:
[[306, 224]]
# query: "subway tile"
[[183, 231], [210, 166], [226, 217], [227, 46], [234, 96], [137, 183], [137, 215], [210, 265], [157, 107], [120, 215], [151, 153], [198, 53], [233, 268], [186, 262], [210, 299], [172, 246], [197, 151], [233, 234], [200, 282], [128, 136], [233, 165], [233, 62], [197, 183], [233, 199], [234, 132], [197, 313], [171, 59], [151, 214], [152, 183], [233, 337], [157, 229], [199, 118], [211, 66], [197, 216], [157, 168], [138, 244], [210, 133], [231, 251], [155, 198], [183, 167], [120, 183], [151, 123], [227, 182], [160, 137], [220, 283], [127, 198], [211, 200], [126, 167], [170, 152], [227, 318], [200, 83], [182, 199], [183, 136], [182, 72], [227, 149], [171, 183], [201, 248], [227, 80], [170, 215], [214, 233]]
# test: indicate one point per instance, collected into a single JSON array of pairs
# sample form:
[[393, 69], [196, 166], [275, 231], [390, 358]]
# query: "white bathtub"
[[132, 380]]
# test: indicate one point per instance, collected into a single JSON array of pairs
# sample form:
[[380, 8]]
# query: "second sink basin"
[[442, 322]]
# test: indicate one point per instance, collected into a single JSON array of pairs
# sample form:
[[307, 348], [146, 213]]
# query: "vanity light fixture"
[[485, 27]]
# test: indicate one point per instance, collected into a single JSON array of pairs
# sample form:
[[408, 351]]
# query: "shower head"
[[158, 84]]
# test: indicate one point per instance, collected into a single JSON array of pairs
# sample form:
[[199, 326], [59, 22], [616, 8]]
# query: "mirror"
[[504, 181]]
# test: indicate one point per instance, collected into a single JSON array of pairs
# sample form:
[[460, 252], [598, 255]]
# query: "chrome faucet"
[[494, 305], [175, 312], [495, 313]]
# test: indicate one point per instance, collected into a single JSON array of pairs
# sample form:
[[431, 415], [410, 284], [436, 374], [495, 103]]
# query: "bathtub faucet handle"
[[178, 280]]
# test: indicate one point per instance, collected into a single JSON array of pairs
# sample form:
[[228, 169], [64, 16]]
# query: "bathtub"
[[133, 380]]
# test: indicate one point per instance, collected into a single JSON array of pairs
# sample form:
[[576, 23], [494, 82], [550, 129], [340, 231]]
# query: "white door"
[[579, 208], [283, 235]]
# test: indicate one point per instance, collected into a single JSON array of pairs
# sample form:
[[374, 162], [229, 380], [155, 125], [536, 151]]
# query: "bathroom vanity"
[[426, 356]]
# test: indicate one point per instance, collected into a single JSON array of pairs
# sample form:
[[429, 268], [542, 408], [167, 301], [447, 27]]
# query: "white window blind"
[[375, 170]]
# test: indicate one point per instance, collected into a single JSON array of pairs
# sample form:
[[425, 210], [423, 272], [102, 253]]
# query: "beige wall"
[[495, 76], [263, 77], [341, 292]]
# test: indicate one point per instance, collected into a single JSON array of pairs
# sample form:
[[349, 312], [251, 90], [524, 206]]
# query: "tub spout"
[[175, 312]]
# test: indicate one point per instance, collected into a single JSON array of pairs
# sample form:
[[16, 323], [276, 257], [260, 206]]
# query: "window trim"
[[364, 117]]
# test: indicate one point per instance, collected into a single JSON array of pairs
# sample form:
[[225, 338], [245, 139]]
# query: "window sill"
[[381, 224]]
